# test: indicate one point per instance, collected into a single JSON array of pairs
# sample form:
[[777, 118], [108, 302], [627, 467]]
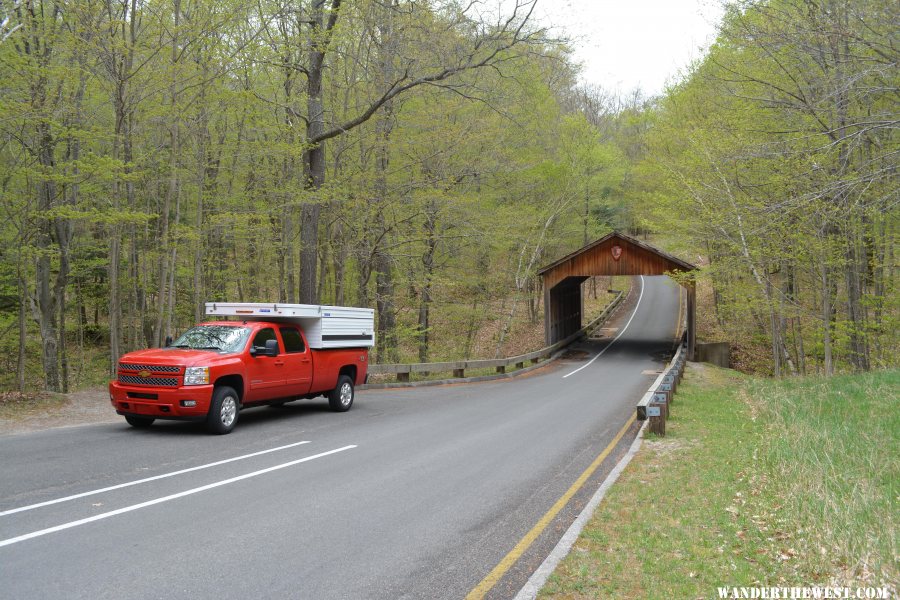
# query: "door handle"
[[279, 364]]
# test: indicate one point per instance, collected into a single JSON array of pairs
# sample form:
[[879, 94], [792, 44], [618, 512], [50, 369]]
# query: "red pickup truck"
[[217, 368]]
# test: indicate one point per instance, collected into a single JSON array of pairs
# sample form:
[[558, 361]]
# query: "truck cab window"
[[293, 342], [223, 338], [262, 336]]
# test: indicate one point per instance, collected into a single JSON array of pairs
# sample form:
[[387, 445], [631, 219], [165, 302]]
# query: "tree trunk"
[[827, 319], [773, 325], [23, 332], [288, 174], [859, 351], [471, 330], [278, 226], [198, 292], [323, 270], [428, 275], [46, 306], [170, 309], [173, 189], [64, 227], [386, 343], [115, 306], [840, 53], [313, 160], [309, 233], [119, 70], [340, 263]]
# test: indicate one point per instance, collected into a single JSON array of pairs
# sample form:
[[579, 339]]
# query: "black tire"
[[223, 410], [139, 422], [340, 399]]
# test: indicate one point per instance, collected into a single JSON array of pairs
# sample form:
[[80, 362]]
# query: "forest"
[[426, 158]]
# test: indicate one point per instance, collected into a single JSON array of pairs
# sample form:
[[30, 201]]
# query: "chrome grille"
[[155, 368], [158, 381]]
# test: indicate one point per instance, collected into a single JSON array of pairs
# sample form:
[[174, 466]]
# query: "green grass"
[[758, 482], [835, 449]]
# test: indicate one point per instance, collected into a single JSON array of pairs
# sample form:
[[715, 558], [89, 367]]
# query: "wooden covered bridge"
[[613, 254]]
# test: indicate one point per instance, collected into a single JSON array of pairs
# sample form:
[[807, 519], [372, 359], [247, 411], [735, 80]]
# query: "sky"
[[624, 44]]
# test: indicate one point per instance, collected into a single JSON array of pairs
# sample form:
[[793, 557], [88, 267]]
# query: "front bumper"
[[160, 403]]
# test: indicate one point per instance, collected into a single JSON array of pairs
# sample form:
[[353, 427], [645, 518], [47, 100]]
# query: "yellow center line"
[[516, 553]]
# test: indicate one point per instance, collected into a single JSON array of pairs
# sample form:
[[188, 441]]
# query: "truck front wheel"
[[341, 397], [139, 422], [223, 410]]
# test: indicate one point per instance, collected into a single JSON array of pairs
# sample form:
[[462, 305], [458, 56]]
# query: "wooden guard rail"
[[500, 364], [655, 404]]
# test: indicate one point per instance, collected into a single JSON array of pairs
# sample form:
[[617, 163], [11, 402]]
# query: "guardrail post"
[[670, 379], [662, 399], [656, 418], [668, 389]]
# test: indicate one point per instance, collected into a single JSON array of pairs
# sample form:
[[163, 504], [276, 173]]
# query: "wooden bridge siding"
[[599, 261]]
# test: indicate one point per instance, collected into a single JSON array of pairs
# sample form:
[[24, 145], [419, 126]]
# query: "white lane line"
[[133, 507], [154, 478], [599, 354]]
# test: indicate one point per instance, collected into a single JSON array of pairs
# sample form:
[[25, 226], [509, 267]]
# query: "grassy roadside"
[[758, 482]]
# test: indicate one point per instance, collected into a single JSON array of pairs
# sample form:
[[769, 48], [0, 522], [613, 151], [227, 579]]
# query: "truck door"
[[266, 373], [297, 362]]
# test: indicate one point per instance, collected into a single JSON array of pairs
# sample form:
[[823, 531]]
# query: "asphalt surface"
[[414, 493]]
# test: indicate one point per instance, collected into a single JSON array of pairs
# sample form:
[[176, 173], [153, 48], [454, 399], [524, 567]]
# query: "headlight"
[[196, 376]]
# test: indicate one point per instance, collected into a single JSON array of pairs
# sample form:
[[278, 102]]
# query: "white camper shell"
[[324, 326]]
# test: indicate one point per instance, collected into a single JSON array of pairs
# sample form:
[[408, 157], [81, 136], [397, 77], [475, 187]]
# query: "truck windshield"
[[223, 338]]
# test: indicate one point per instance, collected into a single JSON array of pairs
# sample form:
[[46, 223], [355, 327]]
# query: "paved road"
[[415, 493]]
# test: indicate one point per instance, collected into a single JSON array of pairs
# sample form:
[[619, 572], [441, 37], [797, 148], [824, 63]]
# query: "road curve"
[[415, 493]]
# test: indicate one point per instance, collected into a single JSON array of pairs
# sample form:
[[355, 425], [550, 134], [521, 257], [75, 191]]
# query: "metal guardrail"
[[459, 368], [654, 405]]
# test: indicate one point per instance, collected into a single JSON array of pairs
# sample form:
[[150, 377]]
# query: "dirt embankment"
[[35, 412]]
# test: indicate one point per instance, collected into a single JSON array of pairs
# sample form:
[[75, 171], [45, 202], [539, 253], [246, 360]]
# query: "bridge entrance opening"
[[613, 254]]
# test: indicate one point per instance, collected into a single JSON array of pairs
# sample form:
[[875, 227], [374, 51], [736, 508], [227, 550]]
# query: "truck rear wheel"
[[139, 422], [341, 397], [223, 410]]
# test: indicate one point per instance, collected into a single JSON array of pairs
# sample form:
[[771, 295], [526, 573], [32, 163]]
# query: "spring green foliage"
[[152, 158], [775, 158], [158, 154]]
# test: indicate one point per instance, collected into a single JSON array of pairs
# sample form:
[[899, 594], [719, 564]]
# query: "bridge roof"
[[633, 257]]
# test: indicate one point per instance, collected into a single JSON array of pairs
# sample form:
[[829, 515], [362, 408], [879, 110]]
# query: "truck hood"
[[172, 356]]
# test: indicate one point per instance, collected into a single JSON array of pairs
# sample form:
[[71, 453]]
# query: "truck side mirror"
[[168, 341], [271, 348]]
